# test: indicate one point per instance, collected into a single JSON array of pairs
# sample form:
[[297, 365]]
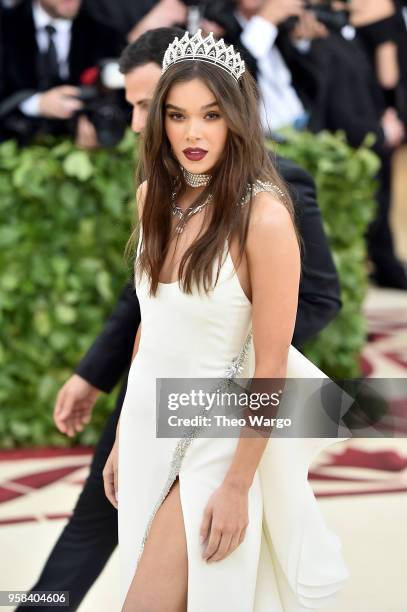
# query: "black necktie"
[[50, 69]]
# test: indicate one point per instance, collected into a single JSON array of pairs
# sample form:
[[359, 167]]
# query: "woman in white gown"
[[219, 524]]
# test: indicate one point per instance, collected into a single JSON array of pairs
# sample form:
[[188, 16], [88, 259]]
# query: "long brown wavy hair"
[[244, 160]]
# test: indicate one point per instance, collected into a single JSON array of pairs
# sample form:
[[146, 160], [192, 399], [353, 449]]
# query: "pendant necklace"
[[185, 215], [193, 180]]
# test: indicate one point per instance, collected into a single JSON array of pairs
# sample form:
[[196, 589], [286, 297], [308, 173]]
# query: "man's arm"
[[110, 354], [319, 297]]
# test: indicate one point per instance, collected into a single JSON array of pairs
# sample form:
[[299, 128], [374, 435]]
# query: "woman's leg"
[[160, 582]]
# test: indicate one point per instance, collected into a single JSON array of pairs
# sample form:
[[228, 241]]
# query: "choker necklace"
[[195, 180]]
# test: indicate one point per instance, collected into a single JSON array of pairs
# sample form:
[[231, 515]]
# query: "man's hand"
[[211, 26], [309, 28], [60, 102], [164, 15], [277, 11], [110, 475], [74, 404], [86, 137]]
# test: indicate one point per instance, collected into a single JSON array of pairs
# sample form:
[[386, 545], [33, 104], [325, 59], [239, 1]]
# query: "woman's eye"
[[213, 115], [176, 116]]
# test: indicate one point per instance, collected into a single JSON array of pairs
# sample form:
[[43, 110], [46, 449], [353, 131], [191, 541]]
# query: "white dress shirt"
[[280, 105], [62, 41]]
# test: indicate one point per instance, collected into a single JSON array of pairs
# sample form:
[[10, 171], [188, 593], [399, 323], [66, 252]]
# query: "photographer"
[[43, 67], [254, 28]]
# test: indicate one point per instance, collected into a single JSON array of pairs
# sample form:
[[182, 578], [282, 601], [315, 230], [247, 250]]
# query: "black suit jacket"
[[91, 42], [307, 78], [352, 99], [319, 295], [345, 97]]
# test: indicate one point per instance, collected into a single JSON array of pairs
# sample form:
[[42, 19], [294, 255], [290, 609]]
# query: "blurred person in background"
[[90, 536], [291, 53], [255, 30], [364, 95], [381, 29], [48, 45]]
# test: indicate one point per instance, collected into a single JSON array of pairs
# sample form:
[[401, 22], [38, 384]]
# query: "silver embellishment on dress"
[[259, 186], [234, 368], [252, 190]]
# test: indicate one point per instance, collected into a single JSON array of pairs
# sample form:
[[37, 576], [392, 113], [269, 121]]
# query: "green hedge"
[[346, 186], [65, 216]]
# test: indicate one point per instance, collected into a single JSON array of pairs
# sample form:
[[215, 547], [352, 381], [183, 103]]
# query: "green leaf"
[[9, 281], [42, 323], [103, 285], [65, 314], [78, 165]]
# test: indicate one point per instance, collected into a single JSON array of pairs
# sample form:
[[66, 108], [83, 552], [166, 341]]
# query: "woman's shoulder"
[[254, 191], [271, 235], [269, 214]]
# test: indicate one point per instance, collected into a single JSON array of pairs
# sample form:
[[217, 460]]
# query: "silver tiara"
[[204, 49]]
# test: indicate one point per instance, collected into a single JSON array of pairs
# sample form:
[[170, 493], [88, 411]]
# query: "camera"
[[220, 11], [101, 91], [326, 14]]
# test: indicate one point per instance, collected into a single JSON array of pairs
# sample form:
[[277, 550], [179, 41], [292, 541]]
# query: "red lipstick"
[[194, 154]]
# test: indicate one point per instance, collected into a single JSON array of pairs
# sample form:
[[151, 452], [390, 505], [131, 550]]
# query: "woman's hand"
[[224, 522], [110, 479]]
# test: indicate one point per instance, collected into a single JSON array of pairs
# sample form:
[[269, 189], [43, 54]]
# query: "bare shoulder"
[[272, 245], [141, 194], [269, 217]]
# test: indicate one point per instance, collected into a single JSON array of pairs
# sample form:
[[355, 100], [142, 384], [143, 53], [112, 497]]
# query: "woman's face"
[[195, 127]]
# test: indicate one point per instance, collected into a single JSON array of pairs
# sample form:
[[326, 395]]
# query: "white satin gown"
[[289, 560]]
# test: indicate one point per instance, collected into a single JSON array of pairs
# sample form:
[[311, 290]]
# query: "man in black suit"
[[90, 536], [47, 47]]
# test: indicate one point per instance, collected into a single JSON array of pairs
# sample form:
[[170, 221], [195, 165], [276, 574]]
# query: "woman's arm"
[[273, 256]]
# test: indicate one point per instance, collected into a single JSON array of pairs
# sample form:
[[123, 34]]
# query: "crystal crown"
[[205, 49]]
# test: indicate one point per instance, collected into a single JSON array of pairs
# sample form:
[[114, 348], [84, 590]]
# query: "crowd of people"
[[318, 66]]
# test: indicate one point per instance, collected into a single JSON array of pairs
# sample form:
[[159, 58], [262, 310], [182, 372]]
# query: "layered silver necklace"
[[203, 180], [193, 180]]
